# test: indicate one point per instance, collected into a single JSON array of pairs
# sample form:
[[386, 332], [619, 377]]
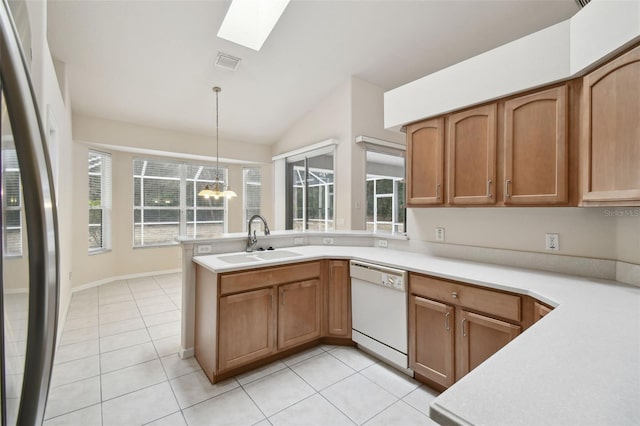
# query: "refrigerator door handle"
[[41, 220]]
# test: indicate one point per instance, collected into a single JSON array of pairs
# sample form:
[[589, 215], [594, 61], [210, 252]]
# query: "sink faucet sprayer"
[[252, 240]]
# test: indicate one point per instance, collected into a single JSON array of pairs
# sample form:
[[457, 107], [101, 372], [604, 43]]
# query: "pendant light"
[[218, 189]]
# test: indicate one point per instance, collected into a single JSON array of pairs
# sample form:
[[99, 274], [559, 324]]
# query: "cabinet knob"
[[454, 295]]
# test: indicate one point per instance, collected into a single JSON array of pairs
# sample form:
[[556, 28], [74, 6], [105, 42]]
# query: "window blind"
[[11, 201], [99, 169], [252, 186]]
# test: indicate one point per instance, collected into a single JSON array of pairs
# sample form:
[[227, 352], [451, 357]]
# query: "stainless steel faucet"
[[252, 240]]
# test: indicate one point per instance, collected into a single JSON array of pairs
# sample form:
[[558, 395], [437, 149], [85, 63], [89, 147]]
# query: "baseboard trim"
[[123, 277], [186, 353]]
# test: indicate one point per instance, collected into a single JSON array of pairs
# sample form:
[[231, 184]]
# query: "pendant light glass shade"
[[218, 189]]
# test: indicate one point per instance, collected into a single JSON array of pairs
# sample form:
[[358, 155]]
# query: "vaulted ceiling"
[[152, 62]]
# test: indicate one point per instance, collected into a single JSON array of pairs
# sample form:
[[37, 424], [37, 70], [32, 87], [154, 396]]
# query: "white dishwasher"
[[379, 312]]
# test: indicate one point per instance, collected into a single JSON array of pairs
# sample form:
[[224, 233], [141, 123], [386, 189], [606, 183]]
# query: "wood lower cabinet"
[[471, 145], [610, 146], [481, 336], [431, 339], [247, 318], [247, 325], [448, 337], [425, 163], [540, 310], [536, 150], [299, 313], [339, 299]]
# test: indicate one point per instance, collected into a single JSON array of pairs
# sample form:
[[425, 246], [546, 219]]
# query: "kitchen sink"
[[239, 258], [276, 254], [258, 256]]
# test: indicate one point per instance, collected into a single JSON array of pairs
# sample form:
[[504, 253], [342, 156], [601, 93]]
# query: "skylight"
[[249, 22]]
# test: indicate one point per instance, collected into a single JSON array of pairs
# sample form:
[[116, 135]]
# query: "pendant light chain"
[[217, 90], [220, 189]]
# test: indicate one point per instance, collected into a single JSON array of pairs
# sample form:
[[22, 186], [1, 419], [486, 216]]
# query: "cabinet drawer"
[[502, 305], [257, 278]]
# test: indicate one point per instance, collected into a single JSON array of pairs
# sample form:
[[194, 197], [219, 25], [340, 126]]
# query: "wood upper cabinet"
[[481, 336], [339, 299], [536, 148], [610, 145], [431, 340], [425, 163], [247, 325], [471, 147], [299, 313]]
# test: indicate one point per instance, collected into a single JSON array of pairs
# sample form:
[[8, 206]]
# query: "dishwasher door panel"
[[380, 313]]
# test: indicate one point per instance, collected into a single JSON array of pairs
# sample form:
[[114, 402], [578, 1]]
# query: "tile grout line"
[[158, 358]]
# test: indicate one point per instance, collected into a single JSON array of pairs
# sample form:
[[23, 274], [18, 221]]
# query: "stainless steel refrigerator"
[[29, 263]]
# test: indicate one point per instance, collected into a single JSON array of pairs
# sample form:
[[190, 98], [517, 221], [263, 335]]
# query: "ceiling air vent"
[[582, 3], [227, 61]]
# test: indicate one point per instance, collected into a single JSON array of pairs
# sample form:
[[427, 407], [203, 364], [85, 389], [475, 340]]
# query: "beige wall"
[[330, 119], [118, 139], [628, 232], [367, 118], [586, 232], [354, 108], [53, 101]]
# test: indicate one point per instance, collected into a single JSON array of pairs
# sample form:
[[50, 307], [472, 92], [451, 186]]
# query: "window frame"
[[290, 193], [184, 208], [394, 195]]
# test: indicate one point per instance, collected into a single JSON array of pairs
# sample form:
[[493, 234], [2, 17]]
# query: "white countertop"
[[579, 365]]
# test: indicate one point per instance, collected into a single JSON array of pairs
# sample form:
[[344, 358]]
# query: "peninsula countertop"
[[580, 364]]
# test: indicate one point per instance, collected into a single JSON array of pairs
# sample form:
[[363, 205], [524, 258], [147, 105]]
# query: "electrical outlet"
[[439, 234], [328, 241], [202, 249], [552, 242], [383, 243], [298, 241]]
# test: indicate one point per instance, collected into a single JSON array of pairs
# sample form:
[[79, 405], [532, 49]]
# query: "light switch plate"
[[328, 241], [439, 234], [383, 243]]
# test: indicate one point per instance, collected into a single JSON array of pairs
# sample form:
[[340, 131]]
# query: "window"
[[252, 182], [166, 202], [310, 191], [99, 201], [11, 201], [385, 192]]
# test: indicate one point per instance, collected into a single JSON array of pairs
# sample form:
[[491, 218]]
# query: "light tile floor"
[[118, 364]]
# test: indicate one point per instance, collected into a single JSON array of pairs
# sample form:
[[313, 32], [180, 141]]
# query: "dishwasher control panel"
[[395, 282], [394, 279]]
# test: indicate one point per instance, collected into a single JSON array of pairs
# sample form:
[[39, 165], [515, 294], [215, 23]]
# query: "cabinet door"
[[425, 162], [246, 325], [536, 149], [299, 313], [540, 311], [431, 342], [339, 300], [481, 337], [610, 146], [472, 140]]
